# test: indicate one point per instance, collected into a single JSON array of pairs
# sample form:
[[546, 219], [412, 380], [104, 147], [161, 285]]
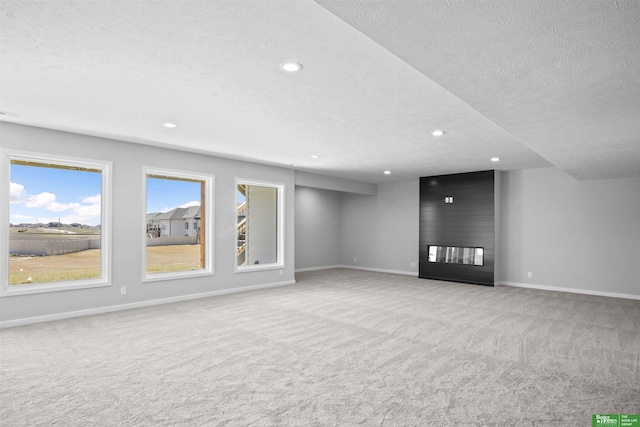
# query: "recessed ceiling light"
[[291, 67], [293, 165], [170, 125], [437, 132], [315, 156], [387, 172], [495, 159]]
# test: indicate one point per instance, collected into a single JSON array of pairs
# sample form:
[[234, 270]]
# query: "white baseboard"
[[120, 307], [570, 290], [380, 270], [355, 267], [326, 267]]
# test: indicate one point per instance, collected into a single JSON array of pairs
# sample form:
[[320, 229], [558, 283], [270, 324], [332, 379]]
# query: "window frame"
[[105, 167], [279, 264], [209, 204]]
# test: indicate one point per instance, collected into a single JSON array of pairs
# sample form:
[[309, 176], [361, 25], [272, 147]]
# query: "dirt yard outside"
[[86, 264]]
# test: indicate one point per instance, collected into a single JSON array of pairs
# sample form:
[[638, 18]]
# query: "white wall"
[[381, 232], [128, 223], [578, 235], [318, 217]]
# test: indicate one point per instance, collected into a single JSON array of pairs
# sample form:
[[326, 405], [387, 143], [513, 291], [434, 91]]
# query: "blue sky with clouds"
[[166, 194], [43, 194]]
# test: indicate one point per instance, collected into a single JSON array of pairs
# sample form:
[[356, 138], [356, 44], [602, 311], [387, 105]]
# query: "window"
[[171, 248], [58, 218], [259, 212]]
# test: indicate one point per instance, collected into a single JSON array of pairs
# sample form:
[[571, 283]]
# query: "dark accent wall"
[[467, 222]]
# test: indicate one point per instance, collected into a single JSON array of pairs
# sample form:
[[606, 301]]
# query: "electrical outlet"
[[413, 264], [355, 259], [281, 273], [529, 275], [123, 290]]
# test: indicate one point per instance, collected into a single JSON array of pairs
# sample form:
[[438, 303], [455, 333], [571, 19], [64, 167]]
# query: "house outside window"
[[173, 200]]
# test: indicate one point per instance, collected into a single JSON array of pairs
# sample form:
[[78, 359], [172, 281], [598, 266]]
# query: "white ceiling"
[[536, 83]]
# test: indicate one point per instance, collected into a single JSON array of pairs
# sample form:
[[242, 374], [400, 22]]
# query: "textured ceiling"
[[563, 77], [534, 83]]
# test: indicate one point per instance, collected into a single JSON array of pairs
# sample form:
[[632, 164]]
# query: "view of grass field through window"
[[174, 224], [55, 228]]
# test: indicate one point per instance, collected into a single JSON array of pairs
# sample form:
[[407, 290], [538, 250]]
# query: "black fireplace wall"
[[458, 210]]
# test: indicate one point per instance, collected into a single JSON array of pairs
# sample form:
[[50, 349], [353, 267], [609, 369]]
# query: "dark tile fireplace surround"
[[457, 227]]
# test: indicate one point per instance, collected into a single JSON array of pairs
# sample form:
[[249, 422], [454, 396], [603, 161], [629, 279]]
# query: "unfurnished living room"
[[319, 213]]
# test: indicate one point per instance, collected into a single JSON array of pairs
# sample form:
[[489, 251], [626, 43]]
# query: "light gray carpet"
[[340, 348]]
